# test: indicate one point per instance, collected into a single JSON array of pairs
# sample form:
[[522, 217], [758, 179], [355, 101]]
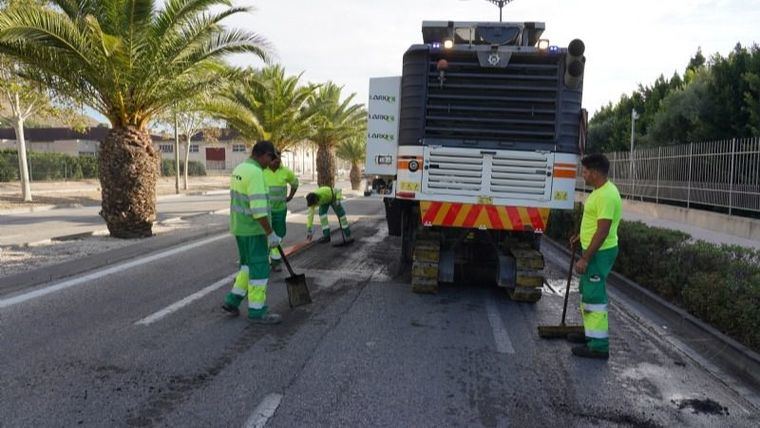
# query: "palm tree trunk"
[[326, 165], [355, 176], [26, 188], [129, 167]]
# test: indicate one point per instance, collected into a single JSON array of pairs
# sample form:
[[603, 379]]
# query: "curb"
[[25, 210], [741, 360]]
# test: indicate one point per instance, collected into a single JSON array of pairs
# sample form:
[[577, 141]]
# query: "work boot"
[[576, 338], [276, 267], [585, 352], [231, 310], [323, 240]]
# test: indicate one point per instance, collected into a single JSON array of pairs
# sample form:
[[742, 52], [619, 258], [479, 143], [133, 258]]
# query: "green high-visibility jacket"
[[278, 182], [249, 199], [327, 196]]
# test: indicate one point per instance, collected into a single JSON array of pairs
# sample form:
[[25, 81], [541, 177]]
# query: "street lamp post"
[[634, 116]]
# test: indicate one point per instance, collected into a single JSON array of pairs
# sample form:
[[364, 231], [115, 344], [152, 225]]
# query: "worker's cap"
[[264, 147]]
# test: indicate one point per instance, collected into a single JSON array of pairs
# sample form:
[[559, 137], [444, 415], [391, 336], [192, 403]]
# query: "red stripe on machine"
[[475, 210], [514, 217], [493, 215], [535, 219], [432, 212], [452, 214]]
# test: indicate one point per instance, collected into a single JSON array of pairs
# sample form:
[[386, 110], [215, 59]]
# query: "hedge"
[[194, 168], [720, 284], [58, 166], [48, 166]]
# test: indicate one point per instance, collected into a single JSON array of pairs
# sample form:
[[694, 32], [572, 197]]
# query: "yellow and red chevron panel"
[[477, 216]]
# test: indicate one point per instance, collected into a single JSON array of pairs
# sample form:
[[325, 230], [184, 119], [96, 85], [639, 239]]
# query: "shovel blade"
[[298, 291]]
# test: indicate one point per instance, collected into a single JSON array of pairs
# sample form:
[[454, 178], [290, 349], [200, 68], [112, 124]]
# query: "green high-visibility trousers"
[[253, 276], [593, 287], [279, 226], [340, 212]]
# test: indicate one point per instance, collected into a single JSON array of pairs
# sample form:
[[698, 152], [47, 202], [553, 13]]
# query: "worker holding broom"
[[599, 241], [249, 223], [324, 198], [278, 177]]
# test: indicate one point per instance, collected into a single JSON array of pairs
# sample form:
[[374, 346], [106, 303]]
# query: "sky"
[[627, 42]]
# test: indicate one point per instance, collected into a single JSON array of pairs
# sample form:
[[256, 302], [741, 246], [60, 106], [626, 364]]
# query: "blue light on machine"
[[553, 50], [436, 45]]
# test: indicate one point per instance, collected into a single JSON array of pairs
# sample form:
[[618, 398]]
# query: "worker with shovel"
[[599, 240], [278, 177], [324, 198], [249, 223]]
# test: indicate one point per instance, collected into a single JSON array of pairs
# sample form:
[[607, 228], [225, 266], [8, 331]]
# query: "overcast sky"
[[627, 42]]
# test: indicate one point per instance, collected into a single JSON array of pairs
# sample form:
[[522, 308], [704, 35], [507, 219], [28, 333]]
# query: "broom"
[[562, 330]]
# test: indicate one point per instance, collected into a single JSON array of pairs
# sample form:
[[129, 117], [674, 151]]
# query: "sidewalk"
[[647, 213]]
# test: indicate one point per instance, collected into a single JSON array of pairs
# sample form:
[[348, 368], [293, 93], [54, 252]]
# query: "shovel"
[[298, 292], [562, 330], [346, 241]]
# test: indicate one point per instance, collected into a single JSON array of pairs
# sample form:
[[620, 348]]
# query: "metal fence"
[[722, 174]]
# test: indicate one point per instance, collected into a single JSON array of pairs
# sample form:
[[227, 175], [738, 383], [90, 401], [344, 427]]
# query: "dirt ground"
[[87, 192]]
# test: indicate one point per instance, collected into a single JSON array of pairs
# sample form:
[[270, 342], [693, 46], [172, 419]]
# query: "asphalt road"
[[130, 349]]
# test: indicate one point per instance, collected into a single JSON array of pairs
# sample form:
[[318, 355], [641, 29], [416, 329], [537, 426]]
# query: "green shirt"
[[327, 196], [249, 199], [278, 186], [603, 203]]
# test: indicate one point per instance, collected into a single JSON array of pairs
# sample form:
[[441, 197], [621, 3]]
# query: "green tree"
[[265, 104], [333, 121], [128, 60], [353, 150]]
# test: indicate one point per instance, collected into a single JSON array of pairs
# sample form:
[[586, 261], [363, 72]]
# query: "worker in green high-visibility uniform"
[[249, 223], [599, 241], [278, 177], [324, 198]]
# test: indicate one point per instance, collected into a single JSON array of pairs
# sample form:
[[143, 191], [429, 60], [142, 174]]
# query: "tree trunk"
[[355, 176], [176, 155], [26, 188], [326, 166], [187, 159], [129, 167]]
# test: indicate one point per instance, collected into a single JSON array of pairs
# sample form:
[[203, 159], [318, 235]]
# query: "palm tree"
[[333, 121], [353, 150], [265, 104], [128, 60]]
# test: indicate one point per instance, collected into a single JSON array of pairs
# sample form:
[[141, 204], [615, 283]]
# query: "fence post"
[[688, 191], [731, 178], [657, 185]]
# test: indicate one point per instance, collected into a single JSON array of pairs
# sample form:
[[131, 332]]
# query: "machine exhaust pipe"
[[575, 64]]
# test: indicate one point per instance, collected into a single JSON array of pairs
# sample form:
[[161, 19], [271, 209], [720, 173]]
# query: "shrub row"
[[58, 166], [720, 284], [194, 168], [48, 166]]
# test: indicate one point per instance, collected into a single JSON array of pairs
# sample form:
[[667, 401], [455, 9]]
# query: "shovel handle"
[[569, 280], [284, 259]]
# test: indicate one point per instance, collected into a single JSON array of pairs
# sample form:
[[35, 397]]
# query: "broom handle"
[[569, 280], [284, 259]]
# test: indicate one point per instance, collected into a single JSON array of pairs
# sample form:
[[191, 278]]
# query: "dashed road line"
[[264, 411], [157, 316], [500, 335]]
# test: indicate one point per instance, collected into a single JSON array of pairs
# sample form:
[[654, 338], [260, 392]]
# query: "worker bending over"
[[324, 198]]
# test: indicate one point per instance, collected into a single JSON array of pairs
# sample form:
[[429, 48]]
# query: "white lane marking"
[[150, 319], [264, 411], [500, 335], [21, 298]]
